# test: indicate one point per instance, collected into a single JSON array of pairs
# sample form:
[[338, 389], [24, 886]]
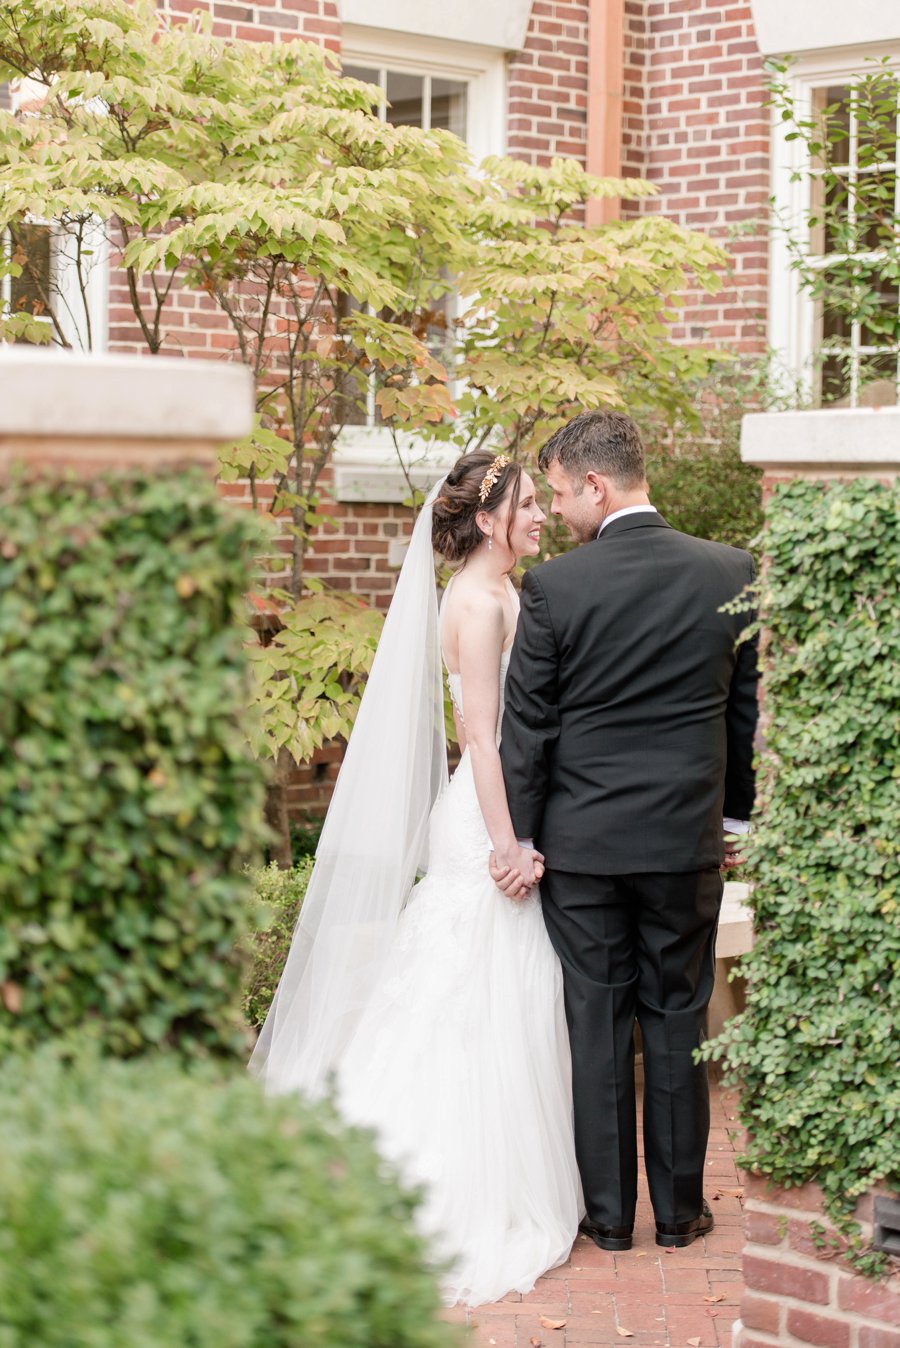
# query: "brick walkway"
[[665, 1298]]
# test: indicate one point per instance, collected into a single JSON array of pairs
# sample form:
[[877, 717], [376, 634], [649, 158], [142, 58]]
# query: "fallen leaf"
[[535, 1343], [731, 1193], [641, 1254], [552, 1324], [712, 1300], [624, 1333], [712, 1314], [695, 1343]]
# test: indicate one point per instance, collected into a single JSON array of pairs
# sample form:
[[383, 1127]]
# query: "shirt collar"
[[626, 510]]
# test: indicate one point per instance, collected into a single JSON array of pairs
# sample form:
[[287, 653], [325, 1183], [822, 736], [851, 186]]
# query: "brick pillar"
[[799, 1291]]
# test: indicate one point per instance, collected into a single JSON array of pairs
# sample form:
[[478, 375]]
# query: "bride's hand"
[[514, 880], [519, 859]]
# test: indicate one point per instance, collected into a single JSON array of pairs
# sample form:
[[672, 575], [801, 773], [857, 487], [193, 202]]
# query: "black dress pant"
[[637, 946]]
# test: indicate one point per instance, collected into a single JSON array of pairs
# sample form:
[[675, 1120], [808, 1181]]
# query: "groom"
[[626, 749]]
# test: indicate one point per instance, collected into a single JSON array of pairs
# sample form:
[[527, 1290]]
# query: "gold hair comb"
[[490, 478]]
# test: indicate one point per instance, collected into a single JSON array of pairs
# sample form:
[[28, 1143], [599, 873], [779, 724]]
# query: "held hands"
[[516, 870], [733, 855]]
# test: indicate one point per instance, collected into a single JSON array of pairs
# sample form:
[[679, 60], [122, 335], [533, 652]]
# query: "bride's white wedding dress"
[[461, 1063]]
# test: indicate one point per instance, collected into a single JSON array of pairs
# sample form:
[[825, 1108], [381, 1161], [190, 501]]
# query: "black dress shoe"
[[678, 1234], [607, 1237]]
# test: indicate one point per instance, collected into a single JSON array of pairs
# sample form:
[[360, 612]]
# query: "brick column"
[[799, 1290]]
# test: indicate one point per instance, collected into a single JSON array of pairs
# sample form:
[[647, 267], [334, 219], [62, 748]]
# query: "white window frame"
[[365, 464], [69, 306], [791, 311]]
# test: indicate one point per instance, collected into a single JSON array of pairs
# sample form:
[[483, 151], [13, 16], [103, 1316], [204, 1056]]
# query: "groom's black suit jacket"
[[630, 709]]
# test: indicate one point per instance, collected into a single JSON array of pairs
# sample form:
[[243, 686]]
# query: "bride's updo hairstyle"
[[470, 487]]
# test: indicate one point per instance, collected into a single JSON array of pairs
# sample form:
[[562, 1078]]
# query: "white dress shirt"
[[626, 510]]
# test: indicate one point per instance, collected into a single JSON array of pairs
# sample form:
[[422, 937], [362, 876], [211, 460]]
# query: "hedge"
[[142, 1205], [130, 802], [815, 1055]]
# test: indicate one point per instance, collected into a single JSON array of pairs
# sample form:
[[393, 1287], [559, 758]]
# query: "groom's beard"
[[582, 530]]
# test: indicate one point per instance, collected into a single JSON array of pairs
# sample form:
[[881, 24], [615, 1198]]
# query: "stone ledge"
[[833, 442], [57, 395]]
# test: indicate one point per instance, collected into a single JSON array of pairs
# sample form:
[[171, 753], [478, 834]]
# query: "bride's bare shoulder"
[[466, 597]]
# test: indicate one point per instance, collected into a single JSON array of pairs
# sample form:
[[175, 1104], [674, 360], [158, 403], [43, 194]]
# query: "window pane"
[[881, 322], [368, 76], [30, 292], [877, 381], [448, 106], [835, 378], [404, 96]]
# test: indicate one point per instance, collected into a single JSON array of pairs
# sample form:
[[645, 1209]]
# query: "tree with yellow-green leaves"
[[330, 240]]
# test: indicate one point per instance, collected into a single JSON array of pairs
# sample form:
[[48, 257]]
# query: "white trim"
[[790, 310], [365, 461], [483, 69], [64, 394], [367, 470], [788, 25], [68, 304], [848, 439], [501, 24], [71, 313]]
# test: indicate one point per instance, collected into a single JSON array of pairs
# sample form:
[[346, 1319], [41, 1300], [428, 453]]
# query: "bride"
[[437, 1005]]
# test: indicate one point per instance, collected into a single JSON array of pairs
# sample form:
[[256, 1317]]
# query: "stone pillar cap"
[[840, 440], [53, 393]]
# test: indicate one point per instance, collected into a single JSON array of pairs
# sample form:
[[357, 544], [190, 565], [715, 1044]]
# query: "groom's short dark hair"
[[598, 442]]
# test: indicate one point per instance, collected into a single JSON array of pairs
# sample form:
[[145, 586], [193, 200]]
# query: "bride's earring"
[[490, 541]]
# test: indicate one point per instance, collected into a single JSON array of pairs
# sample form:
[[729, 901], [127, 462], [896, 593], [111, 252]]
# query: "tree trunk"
[[277, 812]]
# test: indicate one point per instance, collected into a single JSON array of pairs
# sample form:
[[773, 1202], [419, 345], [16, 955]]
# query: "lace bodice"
[[454, 683]]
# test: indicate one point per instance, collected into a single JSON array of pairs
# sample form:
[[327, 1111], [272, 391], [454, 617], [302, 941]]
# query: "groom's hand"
[[733, 855], [516, 870]]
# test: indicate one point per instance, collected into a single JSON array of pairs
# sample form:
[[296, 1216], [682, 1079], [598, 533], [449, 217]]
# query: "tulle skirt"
[[461, 1065]]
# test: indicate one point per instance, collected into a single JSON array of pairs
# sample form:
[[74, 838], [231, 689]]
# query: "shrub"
[[815, 1054], [141, 1205], [305, 834], [694, 468], [278, 895], [697, 479], [130, 802]]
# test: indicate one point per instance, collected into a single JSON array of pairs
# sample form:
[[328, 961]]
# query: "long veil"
[[373, 842]]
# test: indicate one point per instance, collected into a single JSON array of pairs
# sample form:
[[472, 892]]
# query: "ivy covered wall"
[[816, 1052]]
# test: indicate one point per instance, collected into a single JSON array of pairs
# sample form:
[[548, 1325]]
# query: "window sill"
[[365, 467]]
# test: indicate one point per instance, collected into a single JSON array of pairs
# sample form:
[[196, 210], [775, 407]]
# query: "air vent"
[[887, 1225]]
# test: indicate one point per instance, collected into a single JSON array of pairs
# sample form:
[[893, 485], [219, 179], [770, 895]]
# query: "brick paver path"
[[649, 1296]]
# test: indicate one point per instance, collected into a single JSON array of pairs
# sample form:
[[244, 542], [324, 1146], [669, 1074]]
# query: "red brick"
[[764, 1229], [870, 1336], [785, 1279], [821, 1330], [876, 1301], [760, 1313]]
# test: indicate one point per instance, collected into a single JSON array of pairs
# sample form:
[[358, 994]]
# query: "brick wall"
[[695, 125], [271, 21], [797, 1293], [548, 84]]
